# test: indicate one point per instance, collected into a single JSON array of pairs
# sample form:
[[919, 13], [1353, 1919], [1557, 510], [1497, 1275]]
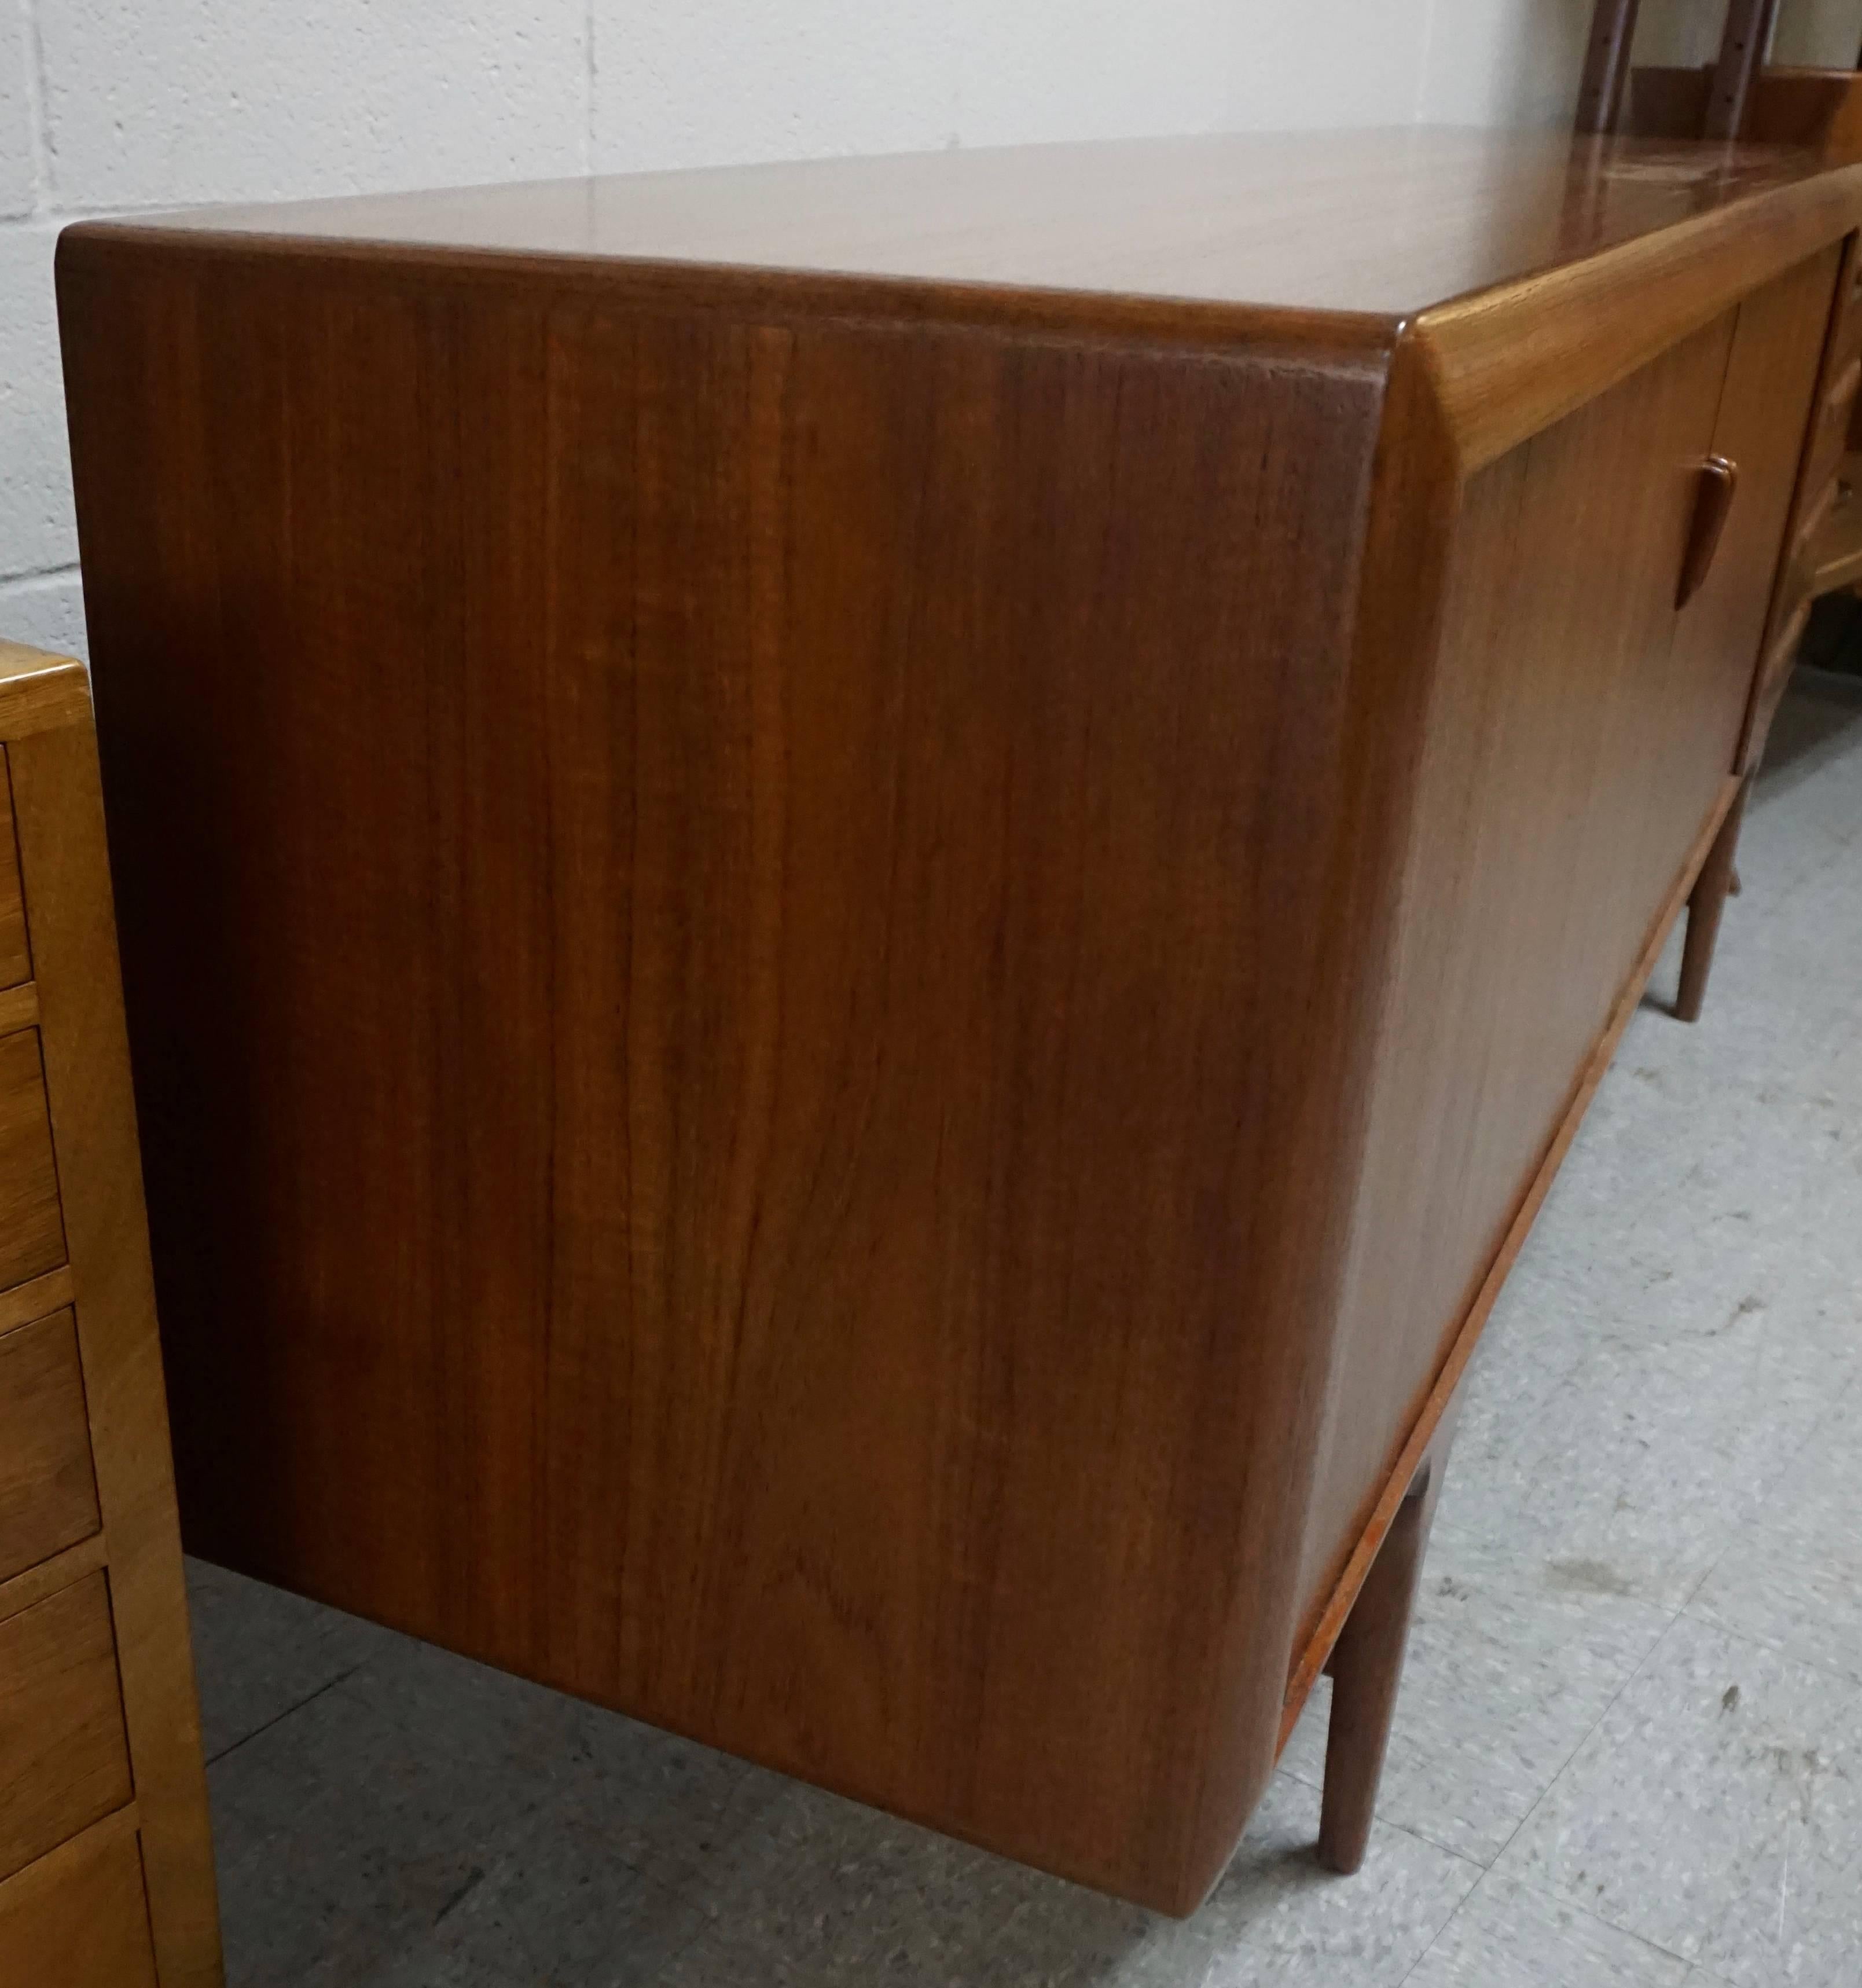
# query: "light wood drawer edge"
[[39, 1583], [78, 1916], [47, 1478], [37, 1298], [31, 1216], [64, 1750], [15, 948]]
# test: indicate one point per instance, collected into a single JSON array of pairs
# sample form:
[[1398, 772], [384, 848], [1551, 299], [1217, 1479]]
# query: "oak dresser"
[[107, 1875], [862, 902]]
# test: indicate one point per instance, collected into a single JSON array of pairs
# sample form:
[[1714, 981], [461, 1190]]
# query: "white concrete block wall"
[[18, 185], [1489, 65], [1818, 34], [1028, 71], [163, 102], [115, 104], [751, 79]]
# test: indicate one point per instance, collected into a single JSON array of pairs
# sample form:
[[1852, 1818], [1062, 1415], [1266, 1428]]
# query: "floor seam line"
[[1752, 1642], [1589, 1734], [213, 1759]]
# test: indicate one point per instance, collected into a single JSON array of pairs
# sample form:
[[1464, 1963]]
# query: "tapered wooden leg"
[[1704, 906], [1367, 1666]]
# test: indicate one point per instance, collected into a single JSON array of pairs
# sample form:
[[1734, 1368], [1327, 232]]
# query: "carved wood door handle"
[[1712, 500]]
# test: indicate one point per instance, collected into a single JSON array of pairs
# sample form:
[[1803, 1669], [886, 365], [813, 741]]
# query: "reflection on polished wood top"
[[1379, 223]]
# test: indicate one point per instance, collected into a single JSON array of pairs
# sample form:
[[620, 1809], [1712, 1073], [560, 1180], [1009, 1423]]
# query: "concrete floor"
[[1629, 1746]]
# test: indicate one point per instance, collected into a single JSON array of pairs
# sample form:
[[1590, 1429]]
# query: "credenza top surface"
[[1377, 223]]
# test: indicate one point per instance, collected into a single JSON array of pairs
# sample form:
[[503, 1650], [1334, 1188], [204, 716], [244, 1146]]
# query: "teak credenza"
[[862, 901], [106, 1877]]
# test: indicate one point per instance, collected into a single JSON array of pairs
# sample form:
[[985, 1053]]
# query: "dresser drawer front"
[[31, 1231], [79, 1918], [64, 1763], [48, 1493]]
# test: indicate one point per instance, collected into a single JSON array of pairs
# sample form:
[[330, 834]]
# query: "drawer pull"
[[1712, 500]]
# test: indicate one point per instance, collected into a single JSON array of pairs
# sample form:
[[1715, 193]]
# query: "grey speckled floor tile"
[[259, 1652], [1512, 1936], [1802, 820], [1781, 1007], [1793, 1578], [816, 1890], [346, 1833], [1278, 1920], [1512, 1661], [1639, 1391], [1717, 1811], [849, 1898], [1809, 1044]]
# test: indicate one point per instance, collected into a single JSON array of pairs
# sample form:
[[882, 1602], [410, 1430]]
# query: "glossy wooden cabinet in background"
[[106, 1874], [862, 902]]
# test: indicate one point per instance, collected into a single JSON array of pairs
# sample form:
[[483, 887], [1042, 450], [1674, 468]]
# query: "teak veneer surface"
[[859, 901], [1379, 223]]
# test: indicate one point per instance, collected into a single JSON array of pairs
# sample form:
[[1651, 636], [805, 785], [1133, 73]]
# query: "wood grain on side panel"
[[735, 876]]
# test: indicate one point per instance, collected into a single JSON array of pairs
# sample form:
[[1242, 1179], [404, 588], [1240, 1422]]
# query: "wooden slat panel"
[[64, 1761], [47, 1495], [1742, 43], [1607, 59], [32, 1229], [79, 1917]]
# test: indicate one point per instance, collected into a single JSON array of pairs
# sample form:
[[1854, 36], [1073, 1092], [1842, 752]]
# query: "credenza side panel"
[[1526, 900], [721, 917]]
